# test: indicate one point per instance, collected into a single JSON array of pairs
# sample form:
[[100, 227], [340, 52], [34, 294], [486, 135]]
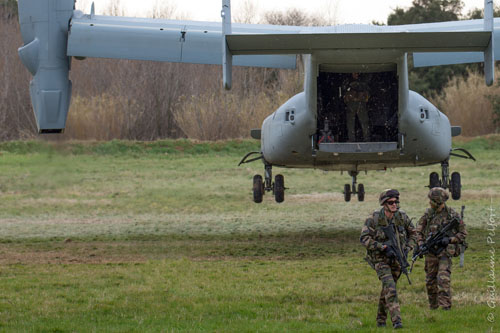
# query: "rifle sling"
[[398, 240]]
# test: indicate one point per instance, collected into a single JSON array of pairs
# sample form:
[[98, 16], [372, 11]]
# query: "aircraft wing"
[[53, 32], [450, 58], [200, 42], [164, 40], [313, 42]]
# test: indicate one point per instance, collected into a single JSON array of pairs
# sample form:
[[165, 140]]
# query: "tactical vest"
[[452, 249], [374, 256]]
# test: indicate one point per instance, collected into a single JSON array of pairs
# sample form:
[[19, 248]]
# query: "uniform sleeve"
[[367, 237], [411, 231], [422, 224], [459, 237]]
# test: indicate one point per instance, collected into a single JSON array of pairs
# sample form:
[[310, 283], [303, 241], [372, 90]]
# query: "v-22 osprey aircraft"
[[356, 112]]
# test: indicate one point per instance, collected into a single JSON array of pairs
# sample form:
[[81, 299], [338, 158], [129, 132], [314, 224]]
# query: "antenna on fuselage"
[[227, 57]]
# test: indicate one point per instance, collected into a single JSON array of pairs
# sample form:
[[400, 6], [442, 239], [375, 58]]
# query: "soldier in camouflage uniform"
[[356, 99], [438, 266], [382, 258]]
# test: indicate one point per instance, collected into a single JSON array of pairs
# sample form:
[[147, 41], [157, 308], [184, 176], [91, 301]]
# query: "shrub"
[[468, 103]]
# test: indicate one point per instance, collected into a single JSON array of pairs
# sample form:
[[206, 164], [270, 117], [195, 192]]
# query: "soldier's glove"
[[417, 250], [445, 241], [389, 253], [407, 250]]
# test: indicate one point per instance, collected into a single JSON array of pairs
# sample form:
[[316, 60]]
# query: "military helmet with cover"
[[387, 194], [438, 195]]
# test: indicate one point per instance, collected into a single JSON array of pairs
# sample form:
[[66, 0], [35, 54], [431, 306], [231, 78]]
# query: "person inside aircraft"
[[356, 99]]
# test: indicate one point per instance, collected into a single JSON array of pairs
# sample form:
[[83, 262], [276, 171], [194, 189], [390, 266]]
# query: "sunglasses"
[[392, 202]]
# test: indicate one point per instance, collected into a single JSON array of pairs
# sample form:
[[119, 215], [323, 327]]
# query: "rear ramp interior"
[[357, 108]]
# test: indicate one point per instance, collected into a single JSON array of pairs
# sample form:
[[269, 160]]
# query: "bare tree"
[[16, 115], [294, 17], [329, 11], [162, 9], [247, 12], [114, 8]]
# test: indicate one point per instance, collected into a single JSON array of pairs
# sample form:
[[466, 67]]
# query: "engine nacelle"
[[44, 28]]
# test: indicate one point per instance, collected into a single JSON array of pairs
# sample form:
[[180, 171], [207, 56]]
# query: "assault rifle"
[[394, 246], [433, 242]]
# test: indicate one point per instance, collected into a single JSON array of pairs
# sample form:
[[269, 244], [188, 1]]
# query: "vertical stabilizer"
[[44, 28]]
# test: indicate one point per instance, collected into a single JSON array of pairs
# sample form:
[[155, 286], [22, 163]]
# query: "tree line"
[[140, 100]]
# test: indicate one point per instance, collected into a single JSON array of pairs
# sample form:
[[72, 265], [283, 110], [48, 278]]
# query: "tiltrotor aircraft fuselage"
[[356, 112]]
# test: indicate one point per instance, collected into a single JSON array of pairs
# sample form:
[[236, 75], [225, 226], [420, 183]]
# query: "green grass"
[[133, 236]]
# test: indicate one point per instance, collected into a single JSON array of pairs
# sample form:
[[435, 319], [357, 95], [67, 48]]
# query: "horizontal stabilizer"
[[404, 41]]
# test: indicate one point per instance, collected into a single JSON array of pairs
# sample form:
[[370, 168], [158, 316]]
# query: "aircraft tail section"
[[44, 28]]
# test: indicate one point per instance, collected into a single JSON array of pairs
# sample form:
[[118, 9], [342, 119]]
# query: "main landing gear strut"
[[261, 186], [360, 190], [452, 183]]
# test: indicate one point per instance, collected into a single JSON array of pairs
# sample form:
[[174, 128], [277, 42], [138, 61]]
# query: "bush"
[[468, 103], [98, 118]]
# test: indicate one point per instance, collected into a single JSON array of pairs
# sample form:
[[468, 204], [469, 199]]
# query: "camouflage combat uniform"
[[356, 98], [388, 269], [438, 267]]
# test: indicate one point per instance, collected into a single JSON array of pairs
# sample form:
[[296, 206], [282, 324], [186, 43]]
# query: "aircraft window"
[[424, 114], [287, 116]]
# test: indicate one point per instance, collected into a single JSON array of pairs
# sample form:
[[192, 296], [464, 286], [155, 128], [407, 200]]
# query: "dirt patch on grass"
[[292, 247], [316, 197], [480, 194], [69, 253]]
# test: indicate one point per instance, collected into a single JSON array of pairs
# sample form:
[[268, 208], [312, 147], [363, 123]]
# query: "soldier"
[[382, 258], [438, 265], [356, 99]]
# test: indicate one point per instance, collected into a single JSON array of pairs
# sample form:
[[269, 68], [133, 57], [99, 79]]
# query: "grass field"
[[128, 237]]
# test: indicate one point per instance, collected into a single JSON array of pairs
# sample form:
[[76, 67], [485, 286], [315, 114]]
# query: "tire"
[[258, 187], [456, 186], [361, 192], [434, 180], [347, 192], [279, 188]]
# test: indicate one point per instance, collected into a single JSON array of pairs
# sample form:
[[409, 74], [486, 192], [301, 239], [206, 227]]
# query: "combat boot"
[[397, 325], [381, 324]]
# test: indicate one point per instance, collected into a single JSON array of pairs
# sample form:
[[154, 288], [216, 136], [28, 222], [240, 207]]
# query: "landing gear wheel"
[[279, 188], [347, 192], [455, 186], [258, 188], [434, 180], [361, 192]]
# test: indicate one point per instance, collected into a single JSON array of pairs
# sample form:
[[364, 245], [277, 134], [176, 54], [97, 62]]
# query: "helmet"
[[438, 195], [387, 194]]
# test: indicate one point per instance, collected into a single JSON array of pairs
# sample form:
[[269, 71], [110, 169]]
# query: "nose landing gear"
[[360, 190]]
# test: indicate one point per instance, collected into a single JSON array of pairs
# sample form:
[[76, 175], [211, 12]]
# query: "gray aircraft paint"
[[52, 32]]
